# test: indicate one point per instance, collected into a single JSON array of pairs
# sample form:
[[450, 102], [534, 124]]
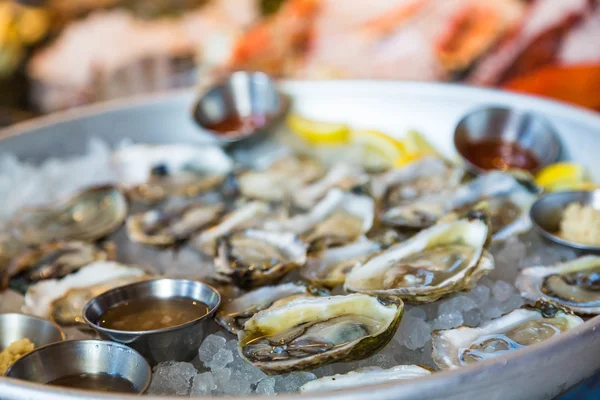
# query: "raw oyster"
[[249, 215], [233, 314], [341, 175], [92, 214], [53, 260], [165, 227], [337, 219], [67, 309], [39, 297], [443, 259], [365, 376], [523, 327], [508, 205], [255, 257], [310, 332], [575, 284], [426, 176], [330, 267], [281, 179], [150, 173]]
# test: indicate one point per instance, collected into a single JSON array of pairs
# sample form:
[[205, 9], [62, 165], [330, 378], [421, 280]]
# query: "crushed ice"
[[219, 369]]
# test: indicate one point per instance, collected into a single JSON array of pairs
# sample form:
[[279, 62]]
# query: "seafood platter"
[[331, 239]]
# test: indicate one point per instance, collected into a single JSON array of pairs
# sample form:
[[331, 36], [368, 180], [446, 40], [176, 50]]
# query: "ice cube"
[[413, 332], [266, 386], [458, 303], [448, 320], [210, 346], [502, 291], [172, 378], [203, 384], [220, 359], [291, 382]]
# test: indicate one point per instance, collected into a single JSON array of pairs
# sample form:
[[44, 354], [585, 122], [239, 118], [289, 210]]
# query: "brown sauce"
[[149, 314], [235, 125], [101, 382], [502, 155]]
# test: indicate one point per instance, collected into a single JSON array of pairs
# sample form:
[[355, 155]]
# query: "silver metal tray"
[[539, 372]]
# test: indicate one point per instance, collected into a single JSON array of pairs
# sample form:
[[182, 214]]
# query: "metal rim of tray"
[[449, 382]]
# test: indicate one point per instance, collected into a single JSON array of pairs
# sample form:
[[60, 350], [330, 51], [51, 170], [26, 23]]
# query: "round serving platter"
[[538, 372]]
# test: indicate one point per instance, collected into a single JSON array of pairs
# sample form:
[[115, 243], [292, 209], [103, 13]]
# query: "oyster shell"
[[150, 173], [254, 257], [310, 332], [165, 227], [337, 219], [523, 327], [443, 259], [365, 376], [233, 314], [91, 214], [575, 284], [40, 296], [341, 175], [508, 204], [280, 180], [68, 308], [53, 260], [330, 267], [423, 177], [249, 215]]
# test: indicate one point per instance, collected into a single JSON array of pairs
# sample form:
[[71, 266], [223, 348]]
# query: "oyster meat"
[[575, 284], [92, 214], [309, 332], [234, 313], [329, 267], [53, 260], [443, 259], [337, 219], [364, 377], [40, 296], [151, 173], [523, 327], [253, 257], [280, 180], [248, 215], [165, 227]]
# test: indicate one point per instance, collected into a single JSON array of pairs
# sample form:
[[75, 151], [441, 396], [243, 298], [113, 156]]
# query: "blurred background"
[[57, 54]]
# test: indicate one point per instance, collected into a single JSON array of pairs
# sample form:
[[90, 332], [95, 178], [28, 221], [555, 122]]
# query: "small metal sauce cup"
[[530, 131], [547, 212], [179, 343], [20, 326], [240, 95], [75, 357]]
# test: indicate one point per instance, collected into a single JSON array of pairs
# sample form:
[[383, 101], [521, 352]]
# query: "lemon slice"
[[562, 174], [318, 132], [380, 149], [415, 143]]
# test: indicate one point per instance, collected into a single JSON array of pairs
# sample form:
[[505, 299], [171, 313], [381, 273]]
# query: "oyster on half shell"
[[443, 259], [575, 284], [53, 260], [151, 173], [40, 297], [89, 215], [337, 219], [232, 315], [310, 332], [365, 376], [253, 257], [165, 227], [523, 327], [329, 267]]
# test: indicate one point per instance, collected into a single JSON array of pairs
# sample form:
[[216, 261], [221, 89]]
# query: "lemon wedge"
[[561, 187], [318, 132], [415, 143], [562, 174], [380, 149]]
